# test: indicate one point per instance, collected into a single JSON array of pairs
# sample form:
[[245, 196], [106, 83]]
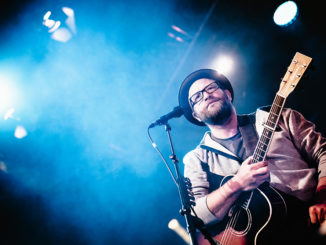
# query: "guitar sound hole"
[[240, 220]]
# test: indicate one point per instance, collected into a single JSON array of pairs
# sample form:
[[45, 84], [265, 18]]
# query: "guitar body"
[[253, 220]]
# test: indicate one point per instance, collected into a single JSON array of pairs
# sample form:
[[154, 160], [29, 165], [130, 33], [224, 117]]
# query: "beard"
[[219, 115]]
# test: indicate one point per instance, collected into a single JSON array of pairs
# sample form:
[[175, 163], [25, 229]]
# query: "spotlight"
[[175, 225], [20, 132], [286, 13], [3, 166], [8, 93], [63, 29], [223, 64], [10, 114], [178, 34]]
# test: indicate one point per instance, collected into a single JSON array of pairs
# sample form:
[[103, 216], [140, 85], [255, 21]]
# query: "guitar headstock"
[[293, 74]]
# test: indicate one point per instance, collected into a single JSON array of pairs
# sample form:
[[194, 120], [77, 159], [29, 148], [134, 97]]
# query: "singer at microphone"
[[177, 112]]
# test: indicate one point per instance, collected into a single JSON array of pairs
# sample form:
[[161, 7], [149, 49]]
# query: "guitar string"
[[227, 231], [231, 224], [226, 237], [275, 109], [231, 238]]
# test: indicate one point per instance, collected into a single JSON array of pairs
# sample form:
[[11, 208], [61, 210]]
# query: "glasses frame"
[[201, 92]]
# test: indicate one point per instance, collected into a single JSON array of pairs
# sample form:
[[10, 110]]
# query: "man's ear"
[[196, 116], [228, 94]]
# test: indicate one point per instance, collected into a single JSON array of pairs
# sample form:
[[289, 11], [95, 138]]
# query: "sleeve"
[[310, 143], [194, 171]]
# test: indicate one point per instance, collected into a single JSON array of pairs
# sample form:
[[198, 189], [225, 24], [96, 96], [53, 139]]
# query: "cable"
[[165, 162]]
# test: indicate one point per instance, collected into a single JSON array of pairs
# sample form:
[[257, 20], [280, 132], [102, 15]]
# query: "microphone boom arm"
[[177, 112]]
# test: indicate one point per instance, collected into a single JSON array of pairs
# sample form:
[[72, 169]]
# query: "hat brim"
[[186, 84]]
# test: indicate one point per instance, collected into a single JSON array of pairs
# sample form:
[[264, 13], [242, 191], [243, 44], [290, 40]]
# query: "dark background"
[[86, 172]]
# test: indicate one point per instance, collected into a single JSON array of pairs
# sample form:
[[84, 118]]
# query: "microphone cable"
[[161, 155]]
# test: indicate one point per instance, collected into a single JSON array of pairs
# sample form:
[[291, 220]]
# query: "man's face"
[[214, 108]]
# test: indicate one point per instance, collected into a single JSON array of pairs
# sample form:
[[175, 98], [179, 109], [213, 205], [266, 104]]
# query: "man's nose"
[[206, 95]]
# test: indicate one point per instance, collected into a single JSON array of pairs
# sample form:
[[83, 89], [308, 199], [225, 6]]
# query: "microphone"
[[177, 112]]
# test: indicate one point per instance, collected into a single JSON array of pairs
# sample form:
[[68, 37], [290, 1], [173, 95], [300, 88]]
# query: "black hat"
[[223, 82]]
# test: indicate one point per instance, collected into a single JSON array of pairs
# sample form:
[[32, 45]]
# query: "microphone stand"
[[185, 209]]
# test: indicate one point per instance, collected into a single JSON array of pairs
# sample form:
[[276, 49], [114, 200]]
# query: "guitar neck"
[[291, 78], [269, 128]]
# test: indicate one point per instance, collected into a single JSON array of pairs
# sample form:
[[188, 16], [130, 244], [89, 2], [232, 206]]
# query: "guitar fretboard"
[[269, 128]]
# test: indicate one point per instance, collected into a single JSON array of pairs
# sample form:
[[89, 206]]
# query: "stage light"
[[8, 94], [178, 29], [9, 114], [286, 13], [178, 34], [3, 166], [61, 30], [175, 226], [223, 64], [20, 132]]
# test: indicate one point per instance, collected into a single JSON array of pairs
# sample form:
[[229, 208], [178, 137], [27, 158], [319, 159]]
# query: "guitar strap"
[[248, 131]]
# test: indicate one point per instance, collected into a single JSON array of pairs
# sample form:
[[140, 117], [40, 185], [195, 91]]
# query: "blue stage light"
[[286, 13], [8, 92], [61, 30]]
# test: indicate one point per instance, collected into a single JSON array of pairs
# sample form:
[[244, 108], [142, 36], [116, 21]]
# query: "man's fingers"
[[317, 213], [259, 165], [262, 171], [321, 215], [247, 161], [312, 215]]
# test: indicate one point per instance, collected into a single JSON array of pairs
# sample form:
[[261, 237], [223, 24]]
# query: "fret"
[[272, 118], [279, 106], [270, 125], [261, 153], [266, 126], [276, 110], [262, 147], [262, 142], [267, 132], [273, 114], [265, 139], [257, 159]]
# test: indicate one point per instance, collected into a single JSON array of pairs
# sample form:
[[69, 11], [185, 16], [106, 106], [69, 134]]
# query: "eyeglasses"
[[198, 96]]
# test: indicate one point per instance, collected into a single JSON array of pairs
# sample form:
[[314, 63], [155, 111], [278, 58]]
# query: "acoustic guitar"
[[257, 213]]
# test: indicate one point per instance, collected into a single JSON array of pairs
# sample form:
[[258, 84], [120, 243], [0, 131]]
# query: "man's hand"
[[250, 176], [317, 213]]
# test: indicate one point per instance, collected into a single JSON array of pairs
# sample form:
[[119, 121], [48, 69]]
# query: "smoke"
[[86, 106]]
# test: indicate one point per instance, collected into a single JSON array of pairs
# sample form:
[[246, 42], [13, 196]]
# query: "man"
[[295, 164]]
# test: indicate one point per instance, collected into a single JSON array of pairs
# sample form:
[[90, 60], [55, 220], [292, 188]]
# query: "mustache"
[[210, 101]]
